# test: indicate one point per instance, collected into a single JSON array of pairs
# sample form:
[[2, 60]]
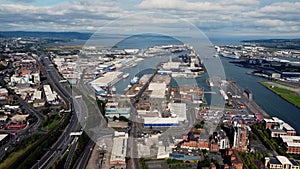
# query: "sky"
[[215, 18]]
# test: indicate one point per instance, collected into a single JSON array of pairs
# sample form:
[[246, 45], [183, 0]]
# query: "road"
[[26, 132], [65, 139], [71, 153], [132, 145], [83, 159]]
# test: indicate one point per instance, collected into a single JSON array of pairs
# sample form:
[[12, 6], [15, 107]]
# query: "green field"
[[51, 125], [19, 150], [290, 96]]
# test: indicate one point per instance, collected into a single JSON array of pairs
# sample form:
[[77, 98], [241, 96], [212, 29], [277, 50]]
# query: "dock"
[[249, 103]]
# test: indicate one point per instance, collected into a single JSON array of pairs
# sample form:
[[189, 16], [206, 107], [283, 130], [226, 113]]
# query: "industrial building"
[[160, 122], [158, 90], [107, 79], [178, 110], [112, 109], [119, 150], [51, 97]]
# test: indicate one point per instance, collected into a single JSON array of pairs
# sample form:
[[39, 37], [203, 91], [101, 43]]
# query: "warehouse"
[[119, 149], [160, 122], [50, 96], [158, 90], [107, 79], [178, 110]]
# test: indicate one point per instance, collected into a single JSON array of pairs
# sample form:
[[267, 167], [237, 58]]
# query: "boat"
[[127, 88], [133, 65], [125, 75], [228, 54], [134, 80], [216, 54]]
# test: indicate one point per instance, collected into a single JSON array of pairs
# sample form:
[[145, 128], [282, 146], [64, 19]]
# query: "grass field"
[[51, 125], [13, 157], [25, 145], [290, 96]]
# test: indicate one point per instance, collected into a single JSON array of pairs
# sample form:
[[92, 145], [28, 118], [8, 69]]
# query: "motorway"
[[65, 140]]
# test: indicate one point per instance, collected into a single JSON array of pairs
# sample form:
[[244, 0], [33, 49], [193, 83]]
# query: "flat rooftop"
[[291, 141], [171, 65], [288, 127], [158, 90], [283, 160], [3, 90], [119, 150], [179, 109], [106, 79], [159, 120]]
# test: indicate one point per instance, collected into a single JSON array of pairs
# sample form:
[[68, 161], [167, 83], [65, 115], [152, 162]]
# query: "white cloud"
[[240, 2], [269, 23], [185, 5], [223, 16]]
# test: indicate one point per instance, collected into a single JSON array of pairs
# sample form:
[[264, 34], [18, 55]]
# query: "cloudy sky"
[[214, 17]]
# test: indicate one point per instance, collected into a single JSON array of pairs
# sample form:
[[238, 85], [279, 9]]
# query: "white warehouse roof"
[[159, 120], [107, 79], [119, 150]]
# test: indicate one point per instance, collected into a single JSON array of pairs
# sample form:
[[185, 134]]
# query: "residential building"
[[281, 162], [3, 92], [235, 159], [292, 144]]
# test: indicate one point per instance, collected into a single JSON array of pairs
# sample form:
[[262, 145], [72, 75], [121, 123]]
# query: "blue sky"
[[226, 18]]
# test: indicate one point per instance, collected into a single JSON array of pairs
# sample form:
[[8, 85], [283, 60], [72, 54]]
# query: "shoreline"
[[278, 94]]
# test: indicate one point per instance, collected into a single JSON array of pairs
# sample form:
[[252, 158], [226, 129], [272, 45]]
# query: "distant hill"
[[273, 40], [68, 35], [277, 43]]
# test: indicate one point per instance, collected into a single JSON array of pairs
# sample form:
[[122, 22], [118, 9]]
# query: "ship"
[[134, 80], [125, 75], [228, 54]]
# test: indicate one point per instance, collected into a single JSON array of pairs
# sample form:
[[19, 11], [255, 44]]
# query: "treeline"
[[270, 143], [83, 140], [249, 158]]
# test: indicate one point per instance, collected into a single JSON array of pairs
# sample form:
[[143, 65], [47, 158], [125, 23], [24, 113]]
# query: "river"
[[270, 102], [266, 99]]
